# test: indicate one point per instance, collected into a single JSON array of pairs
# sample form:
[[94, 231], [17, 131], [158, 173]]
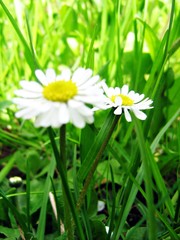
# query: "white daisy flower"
[[59, 99], [125, 101]]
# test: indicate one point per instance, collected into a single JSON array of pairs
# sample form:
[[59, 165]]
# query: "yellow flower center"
[[60, 91], [126, 101]]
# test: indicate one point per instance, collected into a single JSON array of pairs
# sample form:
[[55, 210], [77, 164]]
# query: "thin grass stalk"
[[169, 29], [112, 216], [148, 182], [94, 165], [67, 213], [31, 43], [28, 189], [28, 53], [42, 217], [127, 197]]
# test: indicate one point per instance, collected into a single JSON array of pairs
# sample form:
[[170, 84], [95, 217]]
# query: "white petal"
[[139, 114], [42, 120], [117, 91], [74, 104], [118, 101], [31, 86], [27, 113], [138, 98], [22, 102], [132, 95], [77, 119], [104, 87], [91, 81], [118, 111], [111, 92], [89, 119], [27, 94], [65, 75], [81, 75], [63, 113], [127, 115], [145, 104], [124, 90], [47, 119], [50, 75], [85, 111], [41, 77], [44, 105]]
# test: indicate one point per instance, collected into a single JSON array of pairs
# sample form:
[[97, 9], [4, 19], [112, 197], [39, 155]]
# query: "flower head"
[[124, 100], [59, 99]]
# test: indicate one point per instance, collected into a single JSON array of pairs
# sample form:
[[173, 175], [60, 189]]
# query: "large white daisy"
[[59, 99], [125, 101]]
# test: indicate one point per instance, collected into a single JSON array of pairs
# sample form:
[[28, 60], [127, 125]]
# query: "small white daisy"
[[124, 100], [59, 99]]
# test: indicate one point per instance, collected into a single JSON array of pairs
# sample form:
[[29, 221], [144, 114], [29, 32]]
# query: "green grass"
[[125, 42]]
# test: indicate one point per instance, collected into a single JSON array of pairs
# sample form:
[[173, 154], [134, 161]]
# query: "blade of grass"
[[112, 216], [31, 43], [127, 198], [146, 159], [156, 172], [28, 53], [12, 139], [171, 231], [6, 169], [101, 141], [42, 218], [169, 29], [19, 218], [96, 146], [28, 189], [163, 130]]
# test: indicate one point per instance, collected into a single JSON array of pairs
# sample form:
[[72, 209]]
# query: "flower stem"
[[61, 170], [67, 213], [94, 165]]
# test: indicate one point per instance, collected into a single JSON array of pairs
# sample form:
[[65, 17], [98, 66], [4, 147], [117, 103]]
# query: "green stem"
[[61, 171], [67, 213], [94, 165]]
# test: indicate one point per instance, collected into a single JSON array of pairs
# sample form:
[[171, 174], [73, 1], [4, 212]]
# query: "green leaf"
[[86, 142], [137, 233], [98, 230], [9, 232], [104, 170], [102, 138]]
